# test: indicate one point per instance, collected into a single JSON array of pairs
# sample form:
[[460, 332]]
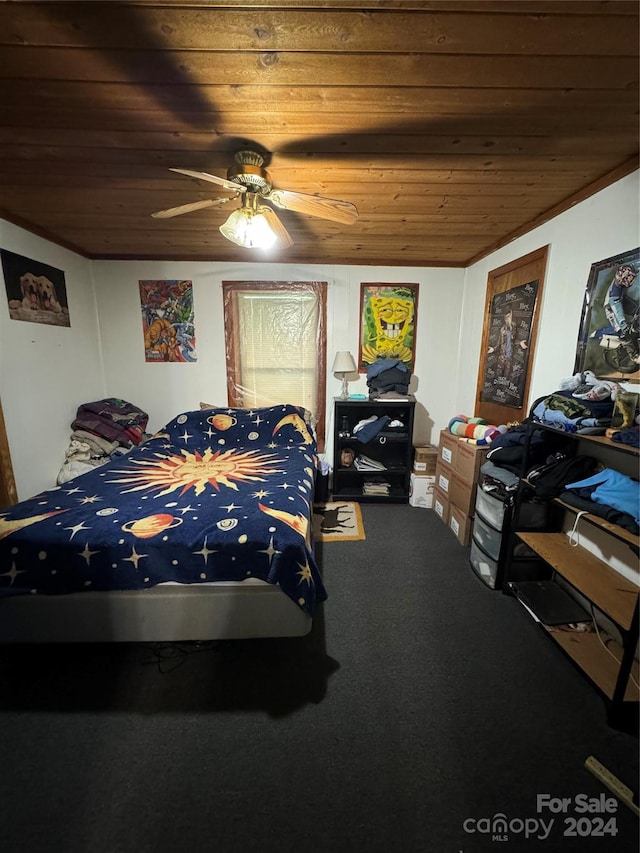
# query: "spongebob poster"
[[167, 320], [388, 316]]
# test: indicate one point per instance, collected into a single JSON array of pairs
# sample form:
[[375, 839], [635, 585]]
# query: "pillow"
[[307, 415]]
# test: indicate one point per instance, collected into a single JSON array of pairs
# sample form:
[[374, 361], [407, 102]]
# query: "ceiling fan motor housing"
[[248, 172]]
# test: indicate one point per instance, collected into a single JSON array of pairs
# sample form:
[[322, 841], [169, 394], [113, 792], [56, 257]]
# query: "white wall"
[[47, 371], [164, 390], [598, 228]]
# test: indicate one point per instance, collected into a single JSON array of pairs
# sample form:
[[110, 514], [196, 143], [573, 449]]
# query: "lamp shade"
[[248, 228], [344, 363]]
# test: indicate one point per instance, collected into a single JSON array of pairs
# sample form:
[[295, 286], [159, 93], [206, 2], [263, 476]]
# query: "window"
[[275, 344]]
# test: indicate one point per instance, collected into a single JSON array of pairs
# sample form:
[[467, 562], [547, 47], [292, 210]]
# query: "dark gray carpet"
[[421, 701]]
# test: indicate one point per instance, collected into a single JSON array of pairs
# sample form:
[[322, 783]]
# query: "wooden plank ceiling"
[[452, 126]]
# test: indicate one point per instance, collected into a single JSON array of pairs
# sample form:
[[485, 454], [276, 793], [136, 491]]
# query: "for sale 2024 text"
[[580, 816]]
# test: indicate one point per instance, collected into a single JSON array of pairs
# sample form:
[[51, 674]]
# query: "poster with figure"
[[609, 337], [507, 355], [388, 318], [36, 292], [167, 320]]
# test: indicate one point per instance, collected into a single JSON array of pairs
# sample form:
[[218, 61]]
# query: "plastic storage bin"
[[491, 508], [487, 537], [483, 565], [525, 566]]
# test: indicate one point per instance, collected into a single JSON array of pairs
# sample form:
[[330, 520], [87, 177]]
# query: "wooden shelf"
[[586, 649], [610, 662], [606, 442], [610, 591], [595, 439], [614, 529]]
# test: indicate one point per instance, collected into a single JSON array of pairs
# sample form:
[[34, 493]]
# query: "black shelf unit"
[[393, 448]]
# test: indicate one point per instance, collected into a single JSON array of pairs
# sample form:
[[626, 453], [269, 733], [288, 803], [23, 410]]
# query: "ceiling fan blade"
[[205, 176], [315, 205], [284, 238], [187, 208]]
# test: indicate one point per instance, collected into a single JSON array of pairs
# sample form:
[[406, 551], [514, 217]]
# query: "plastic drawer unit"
[[483, 565], [489, 539], [491, 508]]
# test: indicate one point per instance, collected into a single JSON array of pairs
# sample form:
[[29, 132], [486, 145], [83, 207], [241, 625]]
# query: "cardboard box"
[[462, 494], [421, 491], [469, 458], [424, 460], [441, 505], [444, 477], [460, 523], [448, 448]]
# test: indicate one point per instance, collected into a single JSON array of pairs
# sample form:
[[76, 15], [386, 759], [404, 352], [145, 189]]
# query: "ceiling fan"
[[255, 225]]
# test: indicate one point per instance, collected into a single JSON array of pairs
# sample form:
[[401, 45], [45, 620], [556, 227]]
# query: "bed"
[[202, 532]]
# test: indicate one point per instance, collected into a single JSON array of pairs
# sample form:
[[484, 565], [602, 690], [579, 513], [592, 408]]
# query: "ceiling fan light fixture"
[[248, 226]]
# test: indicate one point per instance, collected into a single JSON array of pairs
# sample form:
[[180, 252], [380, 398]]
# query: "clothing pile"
[[579, 480], [102, 430], [608, 494], [388, 378], [566, 411], [520, 448]]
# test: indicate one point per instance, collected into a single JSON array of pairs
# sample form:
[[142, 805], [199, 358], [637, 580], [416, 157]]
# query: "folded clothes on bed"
[[99, 446], [113, 419]]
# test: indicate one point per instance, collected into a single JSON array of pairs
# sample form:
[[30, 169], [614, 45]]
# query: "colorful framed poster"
[[168, 320], [388, 318], [609, 337], [36, 292]]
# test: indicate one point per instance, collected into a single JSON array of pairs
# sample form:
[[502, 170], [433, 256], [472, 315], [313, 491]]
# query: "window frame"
[[230, 290]]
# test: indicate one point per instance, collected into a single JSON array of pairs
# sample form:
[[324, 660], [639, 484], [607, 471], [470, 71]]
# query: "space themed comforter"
[[217, 494]]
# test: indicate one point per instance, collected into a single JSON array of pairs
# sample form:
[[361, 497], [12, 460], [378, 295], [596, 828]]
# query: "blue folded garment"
[[613, 489], [370, 430], [382, 364], [630, 436]]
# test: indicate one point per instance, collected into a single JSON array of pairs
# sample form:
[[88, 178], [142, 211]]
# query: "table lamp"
[[343, 363]]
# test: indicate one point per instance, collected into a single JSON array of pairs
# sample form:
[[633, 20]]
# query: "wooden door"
[[512, 307], [8, 493]]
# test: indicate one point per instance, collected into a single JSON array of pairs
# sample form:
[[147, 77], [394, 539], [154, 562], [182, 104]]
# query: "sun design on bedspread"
[[195, 471]]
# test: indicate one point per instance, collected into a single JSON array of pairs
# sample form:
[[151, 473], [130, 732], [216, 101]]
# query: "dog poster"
[[36, 292]]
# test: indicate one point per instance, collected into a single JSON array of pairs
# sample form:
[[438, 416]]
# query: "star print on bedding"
[[216, 495]]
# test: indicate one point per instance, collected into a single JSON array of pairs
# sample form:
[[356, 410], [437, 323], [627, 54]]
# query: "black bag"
[[534, 474], [550, 483]]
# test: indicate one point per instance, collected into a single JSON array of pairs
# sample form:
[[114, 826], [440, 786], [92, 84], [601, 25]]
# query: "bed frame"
[[171, 611], [224, 610]]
